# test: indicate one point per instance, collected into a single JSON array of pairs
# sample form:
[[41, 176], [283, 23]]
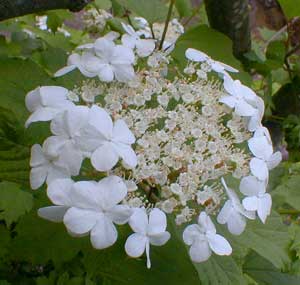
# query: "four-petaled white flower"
[[105, 60], [45, 167], [217, 66], [65, 144], [146, 231], [108, 141], [203, 239], [257, 200], [264, 159], [144, 47], [46, 102], [233, 213], [94, 208], [240, 97]]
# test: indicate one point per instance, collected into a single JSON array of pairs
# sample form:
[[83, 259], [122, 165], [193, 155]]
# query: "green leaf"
[[39, 241], [184, 7], [220, 270], [291, 8], [264, 273], [13, 202], [289, 191], [270, 240], [103, 4], [170, 264], [152, 11]]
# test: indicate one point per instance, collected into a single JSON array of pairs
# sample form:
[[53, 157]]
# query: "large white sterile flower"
[[240, 97], [144, 47], [46, 102], [217, 66], [203, 239], [95, 208], [65, 144], [108, 141], [233, 213], [264, 159], [59, 192], [146, 231], [106, 60], [257, 200], [45, 167]]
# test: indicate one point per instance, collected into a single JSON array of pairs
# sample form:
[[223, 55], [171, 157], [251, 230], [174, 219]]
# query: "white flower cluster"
[[158, 144]]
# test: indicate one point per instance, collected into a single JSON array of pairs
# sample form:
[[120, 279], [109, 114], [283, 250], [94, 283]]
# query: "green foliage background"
[[34, 251]]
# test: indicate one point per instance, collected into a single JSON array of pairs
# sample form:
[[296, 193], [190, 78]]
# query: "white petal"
[[64, 70], [113, 190], [55, 172], [259, 169], [230, 101], [236, 224], [54, 96], [229, 85], [104, 48], [111, 36], [101, 120], [59, 191], [70, 121], [264, 207], [274, 160], [157, 222], [242, 108], [37, 157], [206, 223], [121, 133], [251, 186], [260, 147], [86, 195], [105, 157], [53, 213], [119, 214], [104, 233], [33, 100], [191, 234], [200, 251], [90, 64], [250, 203], [159, 239], [195, 55], [219, 244], [38, 176], [41, 115], [128, 41], [106, 73], [122, 56], [80, 221], [53, 145], [248, 94], [70, 158], [128, 29], [123, 72], [139, 221], [225, 213], [145, 47], [126, 153], [135, 245]]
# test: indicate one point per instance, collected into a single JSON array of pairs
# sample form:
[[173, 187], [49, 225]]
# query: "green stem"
[[167, 23], [288, 212]]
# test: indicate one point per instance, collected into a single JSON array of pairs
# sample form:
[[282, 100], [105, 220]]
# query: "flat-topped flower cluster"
[[158, 144]]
